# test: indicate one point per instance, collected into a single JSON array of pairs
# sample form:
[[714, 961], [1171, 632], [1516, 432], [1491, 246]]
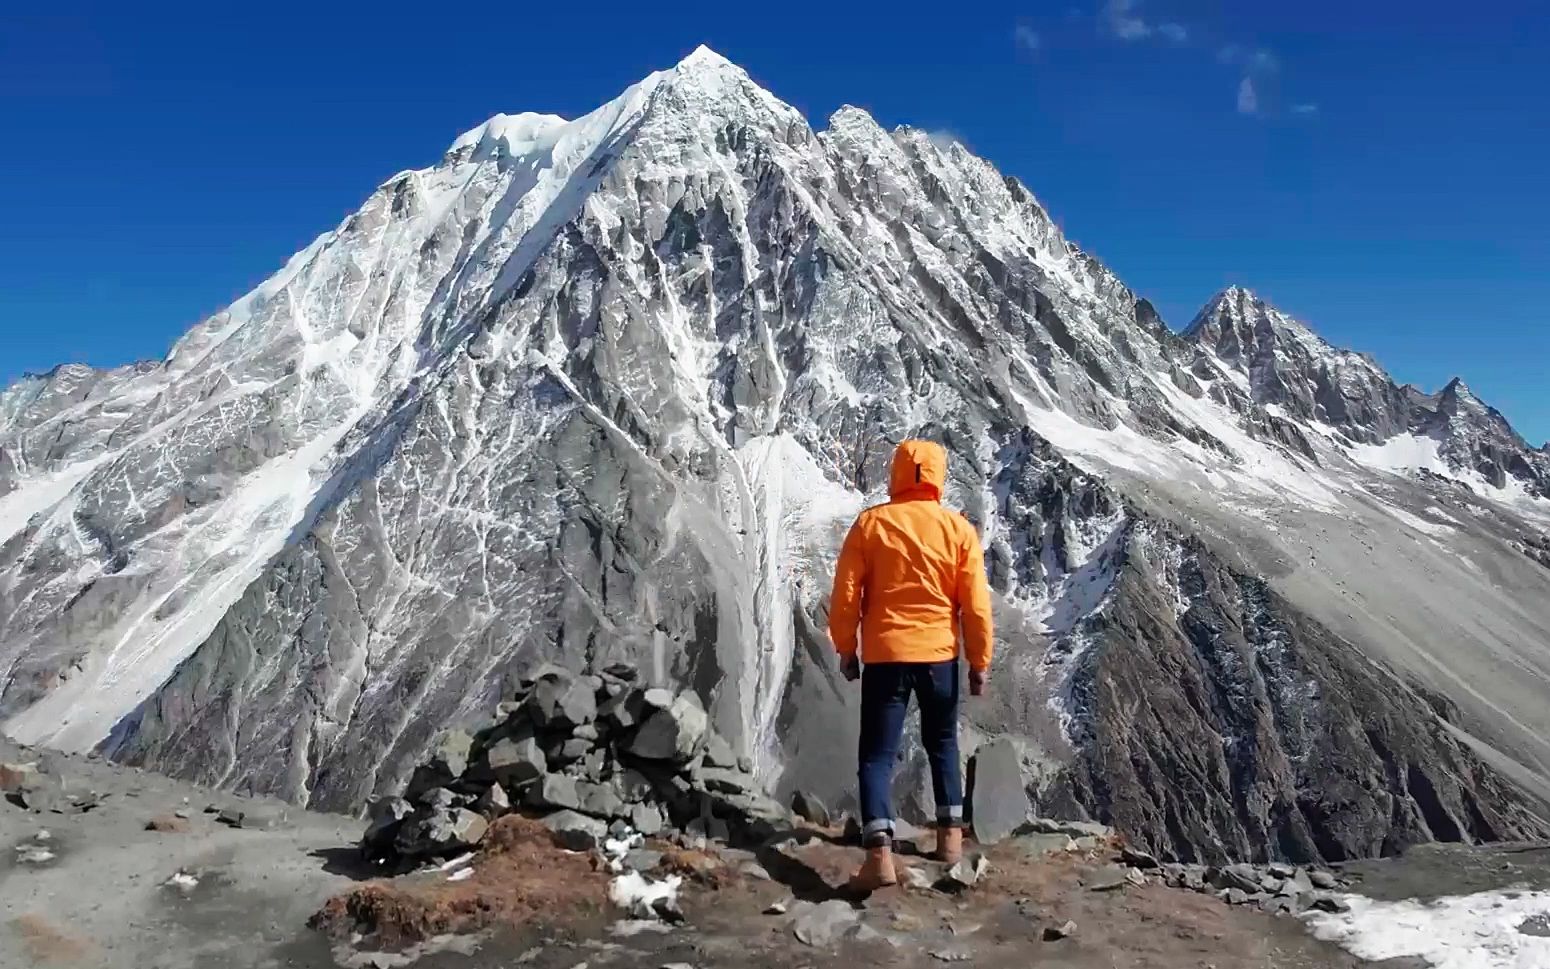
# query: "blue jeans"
[[885, 699]]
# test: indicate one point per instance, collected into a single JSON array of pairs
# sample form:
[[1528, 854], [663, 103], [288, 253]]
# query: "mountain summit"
[[613, 388]]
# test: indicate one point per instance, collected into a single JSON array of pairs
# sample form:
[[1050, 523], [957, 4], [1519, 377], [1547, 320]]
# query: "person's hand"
[[850, 666], [977, 681]]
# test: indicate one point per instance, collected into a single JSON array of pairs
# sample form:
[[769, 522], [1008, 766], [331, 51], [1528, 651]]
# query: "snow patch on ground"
[[1481, 931], [639, 896]]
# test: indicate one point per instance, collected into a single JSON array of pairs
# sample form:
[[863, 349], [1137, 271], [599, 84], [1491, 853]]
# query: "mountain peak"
[[703, 57]]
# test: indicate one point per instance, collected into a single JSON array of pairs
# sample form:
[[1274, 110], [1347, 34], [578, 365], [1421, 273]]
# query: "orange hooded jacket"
[[911, 572]]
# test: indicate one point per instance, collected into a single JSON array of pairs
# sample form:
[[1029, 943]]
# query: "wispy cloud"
[[1123, 19], [942, 138], [1027, 38], [1248, 98], [1177, 33], [1305, 110]]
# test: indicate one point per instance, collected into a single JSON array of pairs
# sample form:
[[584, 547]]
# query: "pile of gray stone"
[[1278, 889], [587, 753]]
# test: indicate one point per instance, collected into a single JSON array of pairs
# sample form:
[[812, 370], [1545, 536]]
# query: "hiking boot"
[[876, 872], [949, 844]]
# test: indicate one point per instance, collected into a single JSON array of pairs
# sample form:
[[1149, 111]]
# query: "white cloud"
[[1248, 98], [1305, 109], [943, 139], [1123, 22], [1027, 38], [1177, 33]]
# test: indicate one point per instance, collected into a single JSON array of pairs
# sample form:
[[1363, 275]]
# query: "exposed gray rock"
[[493, 802], [671, 734], [555, 791], [810, 809], [821, 925], [998, 798], [576, 832], [1054, 933], [1137, 858], [966, 873], [440, 832], [1323, 879], [385, 814], [516, 764], [600, 800]]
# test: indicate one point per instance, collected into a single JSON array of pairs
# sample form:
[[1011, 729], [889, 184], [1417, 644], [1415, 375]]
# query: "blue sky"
[[1376, 168]]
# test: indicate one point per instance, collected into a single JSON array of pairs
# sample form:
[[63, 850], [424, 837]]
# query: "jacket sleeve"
[[974, 604], [845, 600]]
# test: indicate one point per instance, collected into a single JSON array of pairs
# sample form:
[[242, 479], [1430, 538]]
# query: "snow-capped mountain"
[[1293, 371], [614, 387]]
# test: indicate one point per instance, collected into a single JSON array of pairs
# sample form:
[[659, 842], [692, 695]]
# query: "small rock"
[[1075, 829], [1270, 884], [1234, 896], [1038, 845], [721, 780], [1279, 870], [623, 672], [1108, 878], [440, 832], [1237, 876], [966, 872], [1137, 858], [181, 813], [1054, 933], [918, 878], [810, 809], [1134, 877], [657, 698], [622, 712], [562, 704], [821, 925], [586, 732], [438, 799], [778, 908], [642, 859], [1297, 886], [231, 817], [1323, 879], [998, 799], [574, 831], [952, 955], [1330, 903]]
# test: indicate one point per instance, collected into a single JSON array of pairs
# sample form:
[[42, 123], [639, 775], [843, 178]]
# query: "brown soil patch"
[[520, 876], [698, 867], [167, 824], [48, 944]]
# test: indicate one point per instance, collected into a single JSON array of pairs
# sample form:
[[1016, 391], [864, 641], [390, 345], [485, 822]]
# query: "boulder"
[[673, 734], [494, 802], [577, 832], [1330, 903], [721, 780], [647, 819], [15, 778], [1108, 878], [622, 672], [600, 800], [1136, 858], [516, 764], [623, 712], [385, 814], [440, 832], [998, 800], [563, 705], [1323, 880], [555, 791], [718, 752], [656, 698], [810, 809], [633, 786]]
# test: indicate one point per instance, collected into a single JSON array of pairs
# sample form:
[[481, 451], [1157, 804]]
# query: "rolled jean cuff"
[[877, 832], [950, 817]]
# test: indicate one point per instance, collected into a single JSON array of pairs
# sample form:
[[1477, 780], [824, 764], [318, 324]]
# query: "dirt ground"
[[99, 892]]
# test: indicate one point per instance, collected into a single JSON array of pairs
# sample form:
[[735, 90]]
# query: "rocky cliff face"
[[611, 390]]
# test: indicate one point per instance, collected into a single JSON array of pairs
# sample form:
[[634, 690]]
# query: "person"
[[909, 575]]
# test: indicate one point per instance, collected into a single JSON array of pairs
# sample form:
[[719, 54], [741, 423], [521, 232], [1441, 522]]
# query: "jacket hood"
[[919, 471]]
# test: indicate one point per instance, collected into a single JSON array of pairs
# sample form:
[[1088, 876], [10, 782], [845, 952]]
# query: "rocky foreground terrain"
[[523, 842]]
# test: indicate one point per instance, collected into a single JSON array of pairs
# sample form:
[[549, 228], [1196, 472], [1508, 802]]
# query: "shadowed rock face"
[[1226, 724], [614, 392]]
